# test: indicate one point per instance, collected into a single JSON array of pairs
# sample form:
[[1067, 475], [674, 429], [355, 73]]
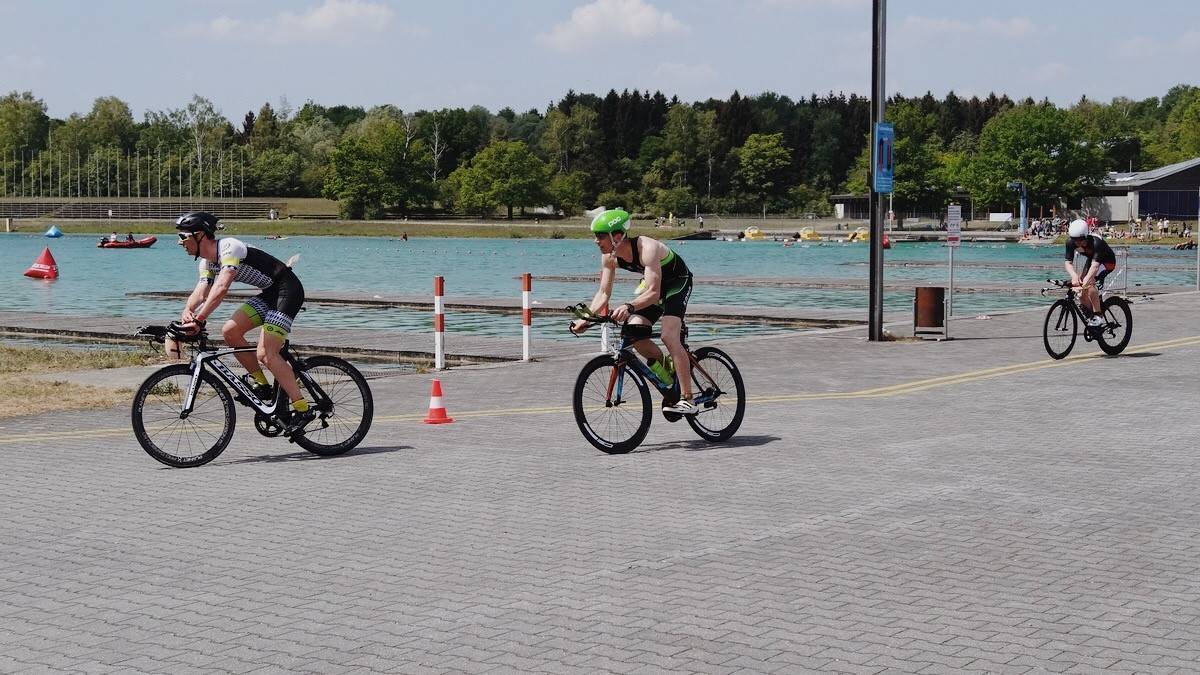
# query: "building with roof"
[[1171, 191]]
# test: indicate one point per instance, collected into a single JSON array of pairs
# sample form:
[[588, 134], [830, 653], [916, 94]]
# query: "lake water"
[[97, 281]]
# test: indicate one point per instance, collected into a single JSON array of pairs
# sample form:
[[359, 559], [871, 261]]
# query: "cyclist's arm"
[[194, 300], [217, 294], [651, 282], [1072, 273], [608, 273], [1090, 276]]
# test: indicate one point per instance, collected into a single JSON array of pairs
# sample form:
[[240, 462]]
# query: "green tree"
[[1040, 145], [357, 179], [761, 161], [276, 172], [266, 134], [509, 173], [680, 141], [566, 138], [708, 140], [110, 123], [1179, 138], [23, 129], [567, 191], [677, 200], [205, 125]]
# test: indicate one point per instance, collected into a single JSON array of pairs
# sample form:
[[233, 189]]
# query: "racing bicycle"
[[183, 414], [1066, 315], [611, 399]]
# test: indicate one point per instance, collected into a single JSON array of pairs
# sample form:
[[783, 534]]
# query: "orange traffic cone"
[[44, 267], [437, 410]]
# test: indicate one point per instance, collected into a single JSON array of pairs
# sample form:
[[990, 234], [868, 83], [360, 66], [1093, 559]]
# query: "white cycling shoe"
[[683, 407]]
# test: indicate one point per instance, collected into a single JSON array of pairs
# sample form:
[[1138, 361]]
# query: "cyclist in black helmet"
[[224, 261]]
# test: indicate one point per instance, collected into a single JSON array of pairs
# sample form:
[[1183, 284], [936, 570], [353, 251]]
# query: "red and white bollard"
[[526, 315], [439, 324]]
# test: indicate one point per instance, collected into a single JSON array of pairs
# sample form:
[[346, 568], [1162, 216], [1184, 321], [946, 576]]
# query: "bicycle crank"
[[267, 426]]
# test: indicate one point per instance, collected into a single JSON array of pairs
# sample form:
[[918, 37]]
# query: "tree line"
[[640, 150]]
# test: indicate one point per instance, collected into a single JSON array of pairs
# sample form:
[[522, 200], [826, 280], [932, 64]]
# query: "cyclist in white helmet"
[[1100, 260]]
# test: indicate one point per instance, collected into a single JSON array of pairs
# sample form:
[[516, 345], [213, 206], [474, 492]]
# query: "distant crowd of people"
[[1146, 227]]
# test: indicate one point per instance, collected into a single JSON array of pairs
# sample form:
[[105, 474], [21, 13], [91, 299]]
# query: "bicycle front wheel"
[[342, 398], [721, 395], [1118, 329], [613, 423], [1060, 329], [179, 441]]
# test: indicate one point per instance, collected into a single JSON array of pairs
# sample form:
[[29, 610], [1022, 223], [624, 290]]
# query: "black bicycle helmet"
[[198, 221]]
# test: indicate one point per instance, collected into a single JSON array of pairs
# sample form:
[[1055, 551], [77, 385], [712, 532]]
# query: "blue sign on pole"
[[882, 156]]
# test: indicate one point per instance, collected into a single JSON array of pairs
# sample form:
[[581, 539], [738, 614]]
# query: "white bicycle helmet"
[[1077, 228]]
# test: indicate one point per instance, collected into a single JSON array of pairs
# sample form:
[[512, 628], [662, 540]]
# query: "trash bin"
[[929, 312]]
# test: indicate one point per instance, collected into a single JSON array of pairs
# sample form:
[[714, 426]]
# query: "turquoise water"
[[97, 281]]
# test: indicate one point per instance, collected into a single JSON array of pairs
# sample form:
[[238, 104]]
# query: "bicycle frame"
[[212, 360], [627, 357]]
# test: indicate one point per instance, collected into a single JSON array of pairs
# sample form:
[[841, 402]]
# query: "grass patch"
[[48, 359], [23, 395]]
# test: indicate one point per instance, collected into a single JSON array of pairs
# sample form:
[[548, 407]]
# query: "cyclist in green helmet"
[[663, 294]]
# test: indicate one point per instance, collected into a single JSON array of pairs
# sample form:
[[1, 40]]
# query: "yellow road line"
[[961, 378], [876, 392]]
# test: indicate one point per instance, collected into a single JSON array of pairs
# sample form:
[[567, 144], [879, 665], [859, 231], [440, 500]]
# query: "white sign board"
[[953, 225]]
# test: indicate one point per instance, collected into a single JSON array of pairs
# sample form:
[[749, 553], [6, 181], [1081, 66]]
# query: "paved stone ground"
[[923, 507]]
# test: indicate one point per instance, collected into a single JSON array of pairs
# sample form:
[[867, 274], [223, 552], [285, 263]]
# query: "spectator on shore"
[[700, 222]]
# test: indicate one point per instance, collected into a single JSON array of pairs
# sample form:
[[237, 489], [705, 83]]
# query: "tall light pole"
[[878, 102], [1024, 192]]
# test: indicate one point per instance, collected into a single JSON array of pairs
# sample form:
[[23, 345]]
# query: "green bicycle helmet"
[[612, 220]]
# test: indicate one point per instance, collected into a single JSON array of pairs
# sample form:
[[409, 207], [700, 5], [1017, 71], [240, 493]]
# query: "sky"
[[522, 54]]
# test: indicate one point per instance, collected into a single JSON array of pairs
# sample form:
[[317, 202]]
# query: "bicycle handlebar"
[[1059, 284], [174, 330], [584, 313]]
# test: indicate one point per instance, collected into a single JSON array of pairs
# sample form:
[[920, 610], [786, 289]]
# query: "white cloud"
[[815, 4], [20, 64], [921, 26], [1189, 42], [602, 20], [925, 26], [1048, 72], [682, 71], [331, 20]]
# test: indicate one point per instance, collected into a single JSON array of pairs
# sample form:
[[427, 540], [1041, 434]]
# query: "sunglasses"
[[184, 236]]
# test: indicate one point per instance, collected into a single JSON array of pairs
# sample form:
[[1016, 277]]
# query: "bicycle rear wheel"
[[177, 441], [1060, 329], [1114, 337], [342, 398], [721, 395], [613, 424]]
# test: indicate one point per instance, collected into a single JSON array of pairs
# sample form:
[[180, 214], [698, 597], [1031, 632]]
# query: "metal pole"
[[1024, 208], [878, 96], [1196, 233], [950, 296]]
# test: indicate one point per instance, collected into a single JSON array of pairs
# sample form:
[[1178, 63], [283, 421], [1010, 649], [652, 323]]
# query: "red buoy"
[[44, 267]]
